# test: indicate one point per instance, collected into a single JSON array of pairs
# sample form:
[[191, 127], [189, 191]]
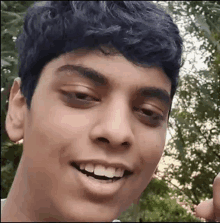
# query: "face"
[[102, 114]]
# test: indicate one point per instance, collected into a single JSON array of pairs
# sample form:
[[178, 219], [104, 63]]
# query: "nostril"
[[125, 144], [103, 139]]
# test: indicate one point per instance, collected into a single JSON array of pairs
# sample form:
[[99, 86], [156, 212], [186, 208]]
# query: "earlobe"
[[15, 115]]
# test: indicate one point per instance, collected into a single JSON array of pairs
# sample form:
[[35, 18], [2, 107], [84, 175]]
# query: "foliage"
[[12, 16], [156, 205], [195, 118], [9, 164]]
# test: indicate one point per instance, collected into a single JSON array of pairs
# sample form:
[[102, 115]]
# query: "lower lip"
[[99, 187]]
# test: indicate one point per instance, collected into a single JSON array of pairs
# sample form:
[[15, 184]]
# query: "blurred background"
[[191, 158]]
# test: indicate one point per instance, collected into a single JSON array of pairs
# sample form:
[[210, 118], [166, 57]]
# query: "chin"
[[90, 213]]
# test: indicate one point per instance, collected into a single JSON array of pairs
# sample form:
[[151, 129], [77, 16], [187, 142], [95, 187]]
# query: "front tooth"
[[82, 166], [99, 170], [110, 172], [89, 167], [119, 172]]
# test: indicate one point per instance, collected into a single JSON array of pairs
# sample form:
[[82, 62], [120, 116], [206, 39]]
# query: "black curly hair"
[[139, 30]]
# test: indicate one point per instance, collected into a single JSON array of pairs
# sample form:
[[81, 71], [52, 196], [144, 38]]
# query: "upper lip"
[[106, 164]]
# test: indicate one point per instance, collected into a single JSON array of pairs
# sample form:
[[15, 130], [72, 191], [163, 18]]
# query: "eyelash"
[[72, 95], [154, 118]]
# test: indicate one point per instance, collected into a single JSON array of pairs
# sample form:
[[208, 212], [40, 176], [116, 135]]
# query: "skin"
[[56, 131], [210, 209]]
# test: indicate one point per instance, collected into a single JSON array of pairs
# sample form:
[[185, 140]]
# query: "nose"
[[113, 125]]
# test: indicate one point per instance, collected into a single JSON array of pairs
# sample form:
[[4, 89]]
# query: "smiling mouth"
[[101, 178]]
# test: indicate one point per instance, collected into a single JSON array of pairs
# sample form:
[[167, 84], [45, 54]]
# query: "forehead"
[[115, 68]]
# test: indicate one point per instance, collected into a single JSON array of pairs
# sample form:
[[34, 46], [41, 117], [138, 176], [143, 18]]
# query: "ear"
[[16, 112]]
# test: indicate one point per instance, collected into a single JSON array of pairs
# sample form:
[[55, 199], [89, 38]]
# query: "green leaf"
[[3, 5], [4, 63], [9, 14]]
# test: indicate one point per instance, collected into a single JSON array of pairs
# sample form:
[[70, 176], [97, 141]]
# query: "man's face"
[[103, 125]]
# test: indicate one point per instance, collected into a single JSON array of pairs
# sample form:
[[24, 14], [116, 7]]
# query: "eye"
[[149, 116], [82, 96], [148, 112], [79, 98]]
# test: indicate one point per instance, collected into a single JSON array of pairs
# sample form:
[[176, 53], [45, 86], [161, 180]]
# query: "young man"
[[92, 104]]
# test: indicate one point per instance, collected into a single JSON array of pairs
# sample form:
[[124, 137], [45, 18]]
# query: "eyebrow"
[[97, 78], [100, 79], [153, 92]]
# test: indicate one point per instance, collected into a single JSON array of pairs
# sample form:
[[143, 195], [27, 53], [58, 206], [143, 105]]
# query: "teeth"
[[110, 172], [119, 172], [82, 166], [100, 170], [89, 167]]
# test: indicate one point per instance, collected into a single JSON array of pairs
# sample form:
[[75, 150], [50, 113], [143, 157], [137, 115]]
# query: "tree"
[[156, 205], [12, 16], [195, 118]]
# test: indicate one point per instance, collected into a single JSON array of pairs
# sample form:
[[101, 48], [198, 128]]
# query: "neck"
[[13, 208], [27, 202]]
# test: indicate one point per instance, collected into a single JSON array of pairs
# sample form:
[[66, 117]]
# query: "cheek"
[[53, 128], [152, 146], [62, 122], [150, 152]]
